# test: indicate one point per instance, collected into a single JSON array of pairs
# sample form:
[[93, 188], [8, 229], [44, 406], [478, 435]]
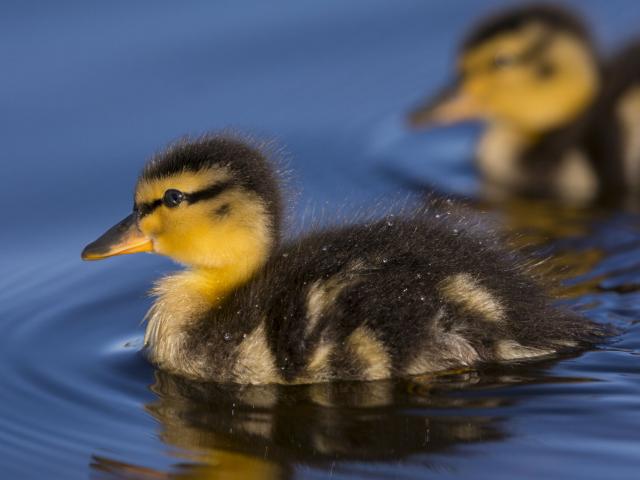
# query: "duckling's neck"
[[212, 284], [499, 151], [184, 298], [562, 167]]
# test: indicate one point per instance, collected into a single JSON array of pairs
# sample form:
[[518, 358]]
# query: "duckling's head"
[[209, 203], [532, 67]]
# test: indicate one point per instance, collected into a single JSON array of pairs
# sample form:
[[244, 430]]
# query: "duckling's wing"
[[405, 297]]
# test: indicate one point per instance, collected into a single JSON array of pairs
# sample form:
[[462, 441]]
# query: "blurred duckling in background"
[[559, 123], [395, 297]]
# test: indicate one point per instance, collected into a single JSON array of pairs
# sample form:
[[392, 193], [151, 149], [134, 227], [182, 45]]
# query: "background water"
[[88, 90]]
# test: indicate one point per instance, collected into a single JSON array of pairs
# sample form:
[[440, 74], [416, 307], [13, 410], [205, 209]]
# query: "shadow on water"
[[273, 431]]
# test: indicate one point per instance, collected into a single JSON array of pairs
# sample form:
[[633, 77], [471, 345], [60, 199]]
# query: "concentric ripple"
[[67, 387]]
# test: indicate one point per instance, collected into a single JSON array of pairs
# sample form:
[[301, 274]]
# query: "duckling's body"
[[393, 298], [560, 122], [397, 297]]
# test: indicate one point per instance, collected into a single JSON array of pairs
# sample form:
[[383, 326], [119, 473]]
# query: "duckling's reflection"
[[309, 424], [270, 431], [554, 234], [577, 246]]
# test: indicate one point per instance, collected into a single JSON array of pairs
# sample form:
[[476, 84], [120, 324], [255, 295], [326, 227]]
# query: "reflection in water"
[[574, 244], [215, 465], [270, 431], [550, 232]]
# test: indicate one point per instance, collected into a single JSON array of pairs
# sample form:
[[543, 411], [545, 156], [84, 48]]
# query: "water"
[[90, 90]]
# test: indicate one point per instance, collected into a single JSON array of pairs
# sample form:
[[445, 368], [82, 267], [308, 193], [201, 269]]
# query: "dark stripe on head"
[[537, 48], [209, 192], [532, 53], [147, 207]]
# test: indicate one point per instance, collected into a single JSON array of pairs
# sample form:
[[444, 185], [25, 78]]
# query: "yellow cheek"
[[483, 89], [517, 96], [195, 235], [512, 92], [177, 232], [151, 224]]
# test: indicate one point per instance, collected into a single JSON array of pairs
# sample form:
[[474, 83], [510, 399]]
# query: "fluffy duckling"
[[559, 122], [395, 297]]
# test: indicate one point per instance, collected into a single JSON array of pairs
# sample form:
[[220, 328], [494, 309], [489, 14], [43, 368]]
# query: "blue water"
[[89, 90]]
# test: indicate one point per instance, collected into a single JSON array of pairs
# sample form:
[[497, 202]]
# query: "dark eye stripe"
[[533, 52], [537, 48], [209, 192], [204, 194], [147, 207]]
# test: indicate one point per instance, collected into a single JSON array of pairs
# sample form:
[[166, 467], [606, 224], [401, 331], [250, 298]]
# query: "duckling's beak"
[[123, 238], [451, 105]]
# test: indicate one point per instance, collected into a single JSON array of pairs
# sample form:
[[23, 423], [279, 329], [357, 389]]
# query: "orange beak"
[[450, 106], [121, 239]]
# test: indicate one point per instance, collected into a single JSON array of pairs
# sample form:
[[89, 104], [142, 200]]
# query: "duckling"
[[560, 122], [400, 296]]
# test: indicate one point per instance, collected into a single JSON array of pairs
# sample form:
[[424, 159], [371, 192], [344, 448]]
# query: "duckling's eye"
[[545, 70], [172, 198], [501, 60]]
